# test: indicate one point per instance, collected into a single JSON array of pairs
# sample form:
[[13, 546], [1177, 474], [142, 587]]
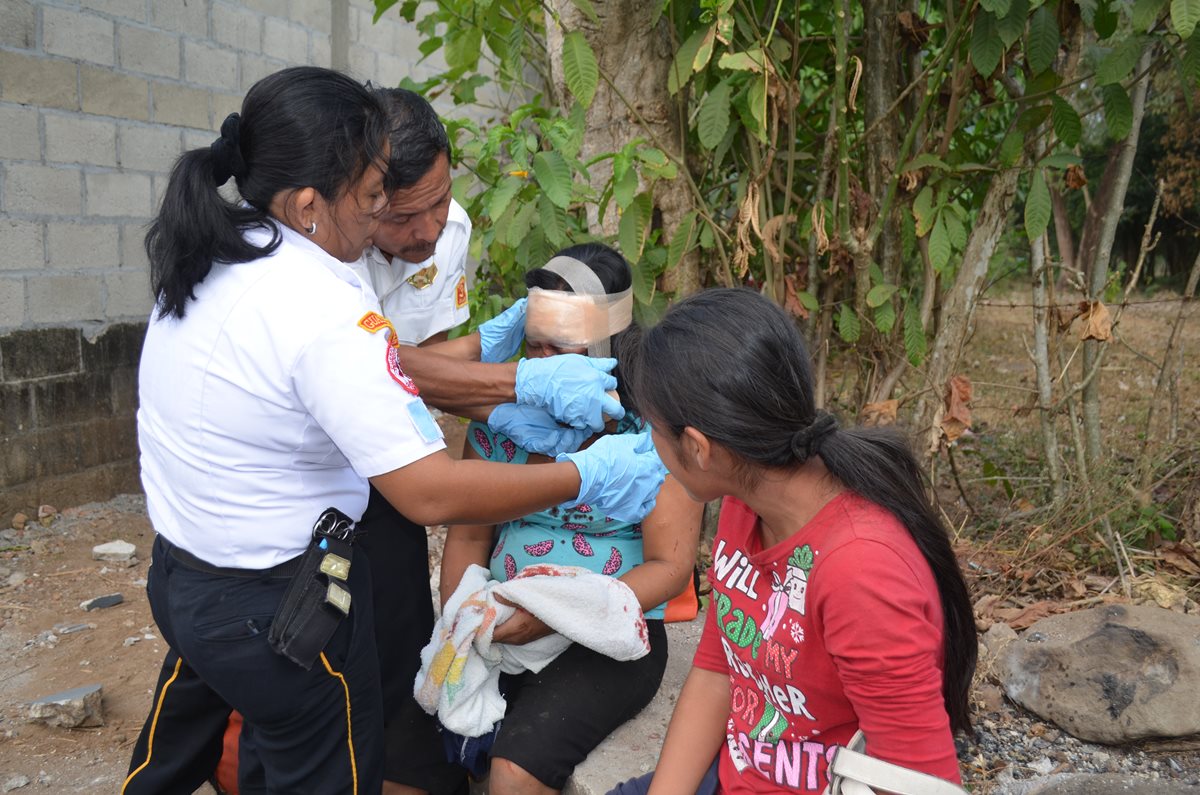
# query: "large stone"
[[114, 551], [1095, 784], [73, 708], [1109, 674]]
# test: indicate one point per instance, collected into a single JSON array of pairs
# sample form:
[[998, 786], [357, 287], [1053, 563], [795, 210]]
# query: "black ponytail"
[[300, 127], [732, 365]]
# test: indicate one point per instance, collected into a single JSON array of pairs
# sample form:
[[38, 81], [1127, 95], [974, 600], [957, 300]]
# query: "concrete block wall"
[[97, 99]]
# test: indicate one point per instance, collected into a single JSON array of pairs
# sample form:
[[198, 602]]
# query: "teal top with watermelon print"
[[579, 536]]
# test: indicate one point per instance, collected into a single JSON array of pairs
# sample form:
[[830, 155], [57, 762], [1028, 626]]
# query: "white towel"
[[461, 667]]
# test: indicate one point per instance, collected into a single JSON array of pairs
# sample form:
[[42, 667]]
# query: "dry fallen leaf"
[[957, 418], [881, 413], [1022, 617], [1097, 323]]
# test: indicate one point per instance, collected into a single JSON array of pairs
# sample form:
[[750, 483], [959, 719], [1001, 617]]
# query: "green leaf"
[[915, 346], [756, 99], [580, 71], [748, 61], [908, 235], [986, 44], [955, 229], [463, 48], [1066, 122], [925, 160], [1031, 118], [807, 300], [879, 295], [554, 177], [681, 67], [643, 282], [885, 318], [1118, 111], [713, 118], [848, 326], [1011, 26], [1060, 160], [923, 211], [997, 7], [586, 7], [1010, 148], [939, 244], [681, 241], [518, 230], [1041, 46], [1119, 63], [625, 188], [501, 195], [1185, 14], [1037, 206], [1191, 60], [631, 231], [1105, 21], [554, 222], [1145, 14]]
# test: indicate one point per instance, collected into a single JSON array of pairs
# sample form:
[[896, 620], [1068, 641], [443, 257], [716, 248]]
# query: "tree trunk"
[[1110, 201], [959, 302], [631, 102], [1041, 362]]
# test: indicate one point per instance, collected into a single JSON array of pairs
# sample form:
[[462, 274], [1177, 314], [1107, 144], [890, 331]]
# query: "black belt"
[[284, 570]]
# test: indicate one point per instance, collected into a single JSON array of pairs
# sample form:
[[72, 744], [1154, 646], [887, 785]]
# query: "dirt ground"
[[47, 571]]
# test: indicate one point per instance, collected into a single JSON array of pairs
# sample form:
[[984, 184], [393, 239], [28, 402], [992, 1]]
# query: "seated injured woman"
[[579, 302]]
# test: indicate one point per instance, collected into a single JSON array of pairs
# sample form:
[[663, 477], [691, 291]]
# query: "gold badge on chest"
[[424, 277]]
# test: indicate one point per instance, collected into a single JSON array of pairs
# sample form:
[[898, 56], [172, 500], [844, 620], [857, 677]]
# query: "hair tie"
[[807, 441], [227, 151]]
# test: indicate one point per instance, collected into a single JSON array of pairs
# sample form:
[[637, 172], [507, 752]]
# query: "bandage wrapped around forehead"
[[586, 317]]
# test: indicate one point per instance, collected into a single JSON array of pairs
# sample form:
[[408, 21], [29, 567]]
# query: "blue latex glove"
[[535, 430], [501, 337], [571, 388], [620, 475]]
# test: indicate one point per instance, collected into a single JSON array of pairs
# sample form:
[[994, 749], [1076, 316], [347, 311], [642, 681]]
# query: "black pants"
[[398, 551], [313, 731]]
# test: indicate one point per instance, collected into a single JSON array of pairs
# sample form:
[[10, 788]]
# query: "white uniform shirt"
[[274, 398], [420, 306]]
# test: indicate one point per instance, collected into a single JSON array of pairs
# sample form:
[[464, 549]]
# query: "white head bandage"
[[586, 317]]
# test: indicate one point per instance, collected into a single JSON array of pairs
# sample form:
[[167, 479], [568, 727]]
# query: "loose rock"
[[100, 602], [15, 782], [1094, 784], [80, 706], [1109, 674], [114, 551], [19, 520]]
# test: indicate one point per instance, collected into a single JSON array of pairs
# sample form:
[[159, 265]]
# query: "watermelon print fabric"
[[580, 536]]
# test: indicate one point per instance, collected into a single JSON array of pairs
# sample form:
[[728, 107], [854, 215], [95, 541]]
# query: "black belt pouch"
[[317, 596]]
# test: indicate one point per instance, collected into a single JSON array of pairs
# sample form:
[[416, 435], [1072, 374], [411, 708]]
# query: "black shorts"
[[555, 718]]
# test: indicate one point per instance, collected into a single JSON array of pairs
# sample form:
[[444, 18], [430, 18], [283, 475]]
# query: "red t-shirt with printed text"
[[837, 628]]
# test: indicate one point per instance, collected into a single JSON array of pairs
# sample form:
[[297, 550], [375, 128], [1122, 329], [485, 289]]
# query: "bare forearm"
[[464, 545], [466, 347], [695, 734], [439, 490], [656, 581], [458, 386]]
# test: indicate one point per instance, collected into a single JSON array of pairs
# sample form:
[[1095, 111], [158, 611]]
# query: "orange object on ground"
[[227, 768], [686, 605]]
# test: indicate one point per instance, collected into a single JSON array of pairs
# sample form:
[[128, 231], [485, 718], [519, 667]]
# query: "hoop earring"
[[312, 230]]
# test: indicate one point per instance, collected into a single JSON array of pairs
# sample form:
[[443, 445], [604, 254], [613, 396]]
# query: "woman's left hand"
[[521, 627]]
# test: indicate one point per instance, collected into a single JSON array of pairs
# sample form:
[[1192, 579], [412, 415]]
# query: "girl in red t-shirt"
[[837, 604]]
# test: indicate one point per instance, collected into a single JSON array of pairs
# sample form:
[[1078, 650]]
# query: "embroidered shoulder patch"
[[373, 322], [397, 372], [460, 293]]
